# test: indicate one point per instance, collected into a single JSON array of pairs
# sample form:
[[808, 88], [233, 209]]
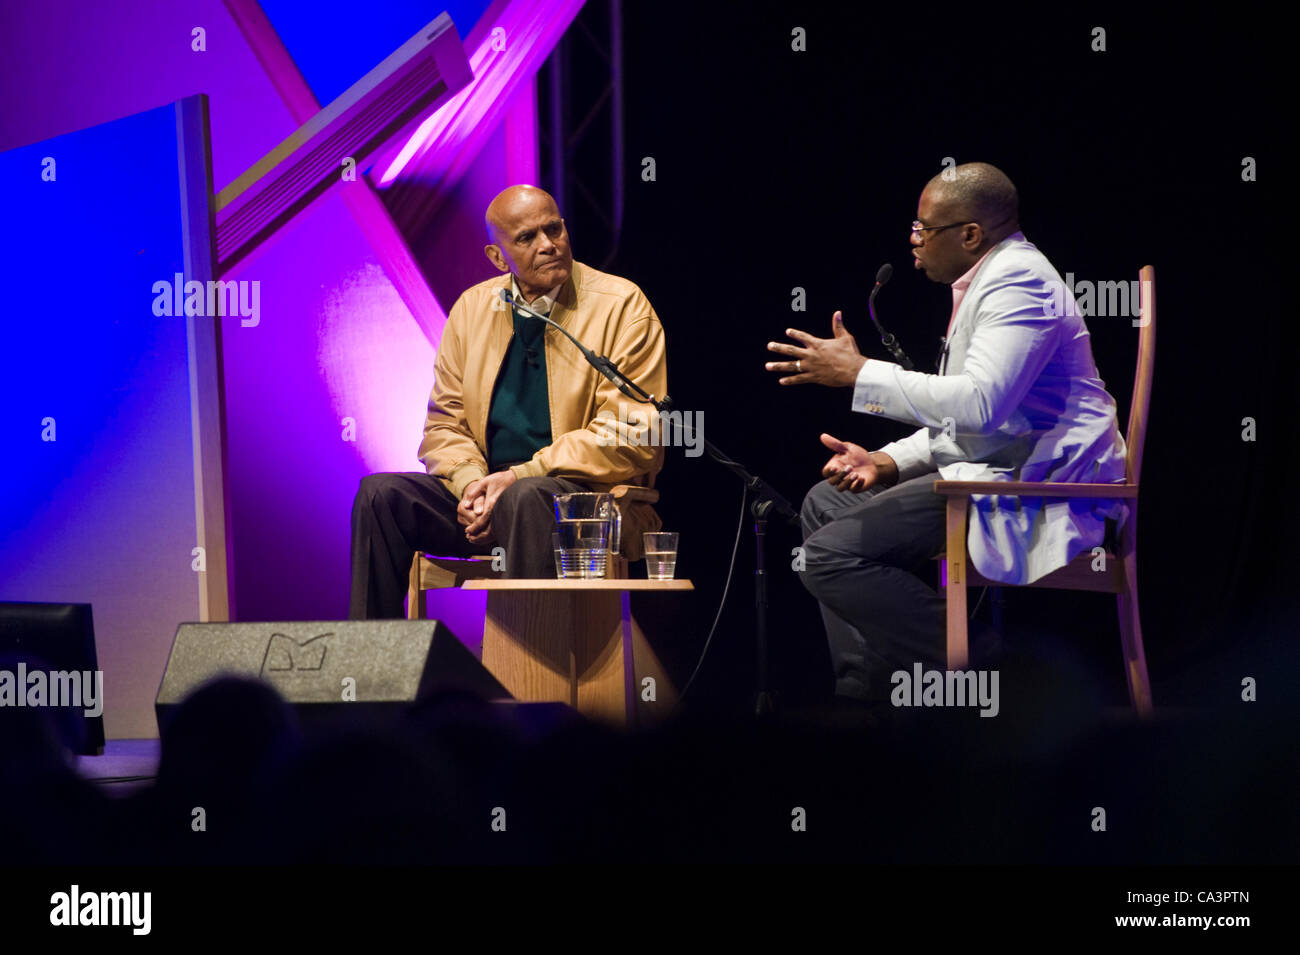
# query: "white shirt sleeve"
[[1013, 339], [911, 454]]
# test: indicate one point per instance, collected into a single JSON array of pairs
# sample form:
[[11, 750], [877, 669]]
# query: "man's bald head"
[[510, 204], [527, 237], [980, 192]]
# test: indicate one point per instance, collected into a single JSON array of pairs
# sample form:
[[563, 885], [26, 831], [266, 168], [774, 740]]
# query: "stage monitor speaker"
[[333, 673], [58, 641]]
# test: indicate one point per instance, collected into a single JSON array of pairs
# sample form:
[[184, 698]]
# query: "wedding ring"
[[799, 366]]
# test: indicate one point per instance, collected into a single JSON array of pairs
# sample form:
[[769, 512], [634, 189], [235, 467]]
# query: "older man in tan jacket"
[[516, 414]]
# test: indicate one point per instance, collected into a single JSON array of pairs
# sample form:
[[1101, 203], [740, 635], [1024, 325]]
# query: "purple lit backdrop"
[[334, 340]]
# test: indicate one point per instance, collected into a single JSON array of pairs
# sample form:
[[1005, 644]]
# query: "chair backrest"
[[1146, 359]]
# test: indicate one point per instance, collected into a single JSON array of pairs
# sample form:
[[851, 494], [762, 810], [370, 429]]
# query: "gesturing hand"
[[852, 467], [833, 361]]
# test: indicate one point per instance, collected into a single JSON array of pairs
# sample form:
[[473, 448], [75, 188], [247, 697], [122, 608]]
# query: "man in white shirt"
[[1017, 397]]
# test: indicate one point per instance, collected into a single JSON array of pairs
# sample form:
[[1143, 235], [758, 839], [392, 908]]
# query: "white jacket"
[[1021, 400]]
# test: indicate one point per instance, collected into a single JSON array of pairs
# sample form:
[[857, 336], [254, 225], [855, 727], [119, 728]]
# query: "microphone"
[[599, 362], [763, 491], [883, 275]]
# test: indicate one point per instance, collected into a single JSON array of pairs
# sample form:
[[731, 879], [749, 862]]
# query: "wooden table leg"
[[562, 646], [573, 647]]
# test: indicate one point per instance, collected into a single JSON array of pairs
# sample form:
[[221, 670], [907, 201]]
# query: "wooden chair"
[[430, 572], [1120, 574]]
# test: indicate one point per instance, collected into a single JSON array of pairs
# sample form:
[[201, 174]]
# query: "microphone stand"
[[765, 500], [886, 339]]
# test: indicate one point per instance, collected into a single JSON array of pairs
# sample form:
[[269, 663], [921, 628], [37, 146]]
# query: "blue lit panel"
[[332, 59]]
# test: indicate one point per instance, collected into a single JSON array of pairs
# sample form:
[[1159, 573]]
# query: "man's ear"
[[493, 252]]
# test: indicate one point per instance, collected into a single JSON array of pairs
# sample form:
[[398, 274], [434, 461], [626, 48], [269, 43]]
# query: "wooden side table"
[[575, 642]]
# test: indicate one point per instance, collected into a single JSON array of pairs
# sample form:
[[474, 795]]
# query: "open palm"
[[851, 468]]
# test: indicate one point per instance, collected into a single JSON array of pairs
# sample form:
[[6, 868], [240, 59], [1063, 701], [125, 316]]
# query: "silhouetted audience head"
[[225, 733], [48, 815]]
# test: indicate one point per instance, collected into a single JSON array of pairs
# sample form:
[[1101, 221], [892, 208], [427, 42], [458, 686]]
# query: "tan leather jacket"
[[609, 315]]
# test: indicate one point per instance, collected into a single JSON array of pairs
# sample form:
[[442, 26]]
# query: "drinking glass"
[[584, 524], [660, 554]]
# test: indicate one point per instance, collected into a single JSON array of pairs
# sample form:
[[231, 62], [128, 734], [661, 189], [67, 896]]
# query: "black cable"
[[735, 547]]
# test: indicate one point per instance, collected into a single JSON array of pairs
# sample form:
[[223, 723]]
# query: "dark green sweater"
[[519, 420]]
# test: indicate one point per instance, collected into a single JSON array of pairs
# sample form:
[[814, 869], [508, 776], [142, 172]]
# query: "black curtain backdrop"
[[777, 169]]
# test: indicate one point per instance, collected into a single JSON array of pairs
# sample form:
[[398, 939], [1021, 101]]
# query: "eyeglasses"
[[917, 228]]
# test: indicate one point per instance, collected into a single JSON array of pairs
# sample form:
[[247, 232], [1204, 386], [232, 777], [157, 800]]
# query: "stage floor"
[[127, 765]]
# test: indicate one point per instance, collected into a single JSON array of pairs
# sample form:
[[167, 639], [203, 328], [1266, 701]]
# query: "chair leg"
[[416, 606], [955, 591], [1130, 635]]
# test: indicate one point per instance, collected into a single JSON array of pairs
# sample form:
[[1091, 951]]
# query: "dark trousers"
[[868, 557], [396, 514]]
